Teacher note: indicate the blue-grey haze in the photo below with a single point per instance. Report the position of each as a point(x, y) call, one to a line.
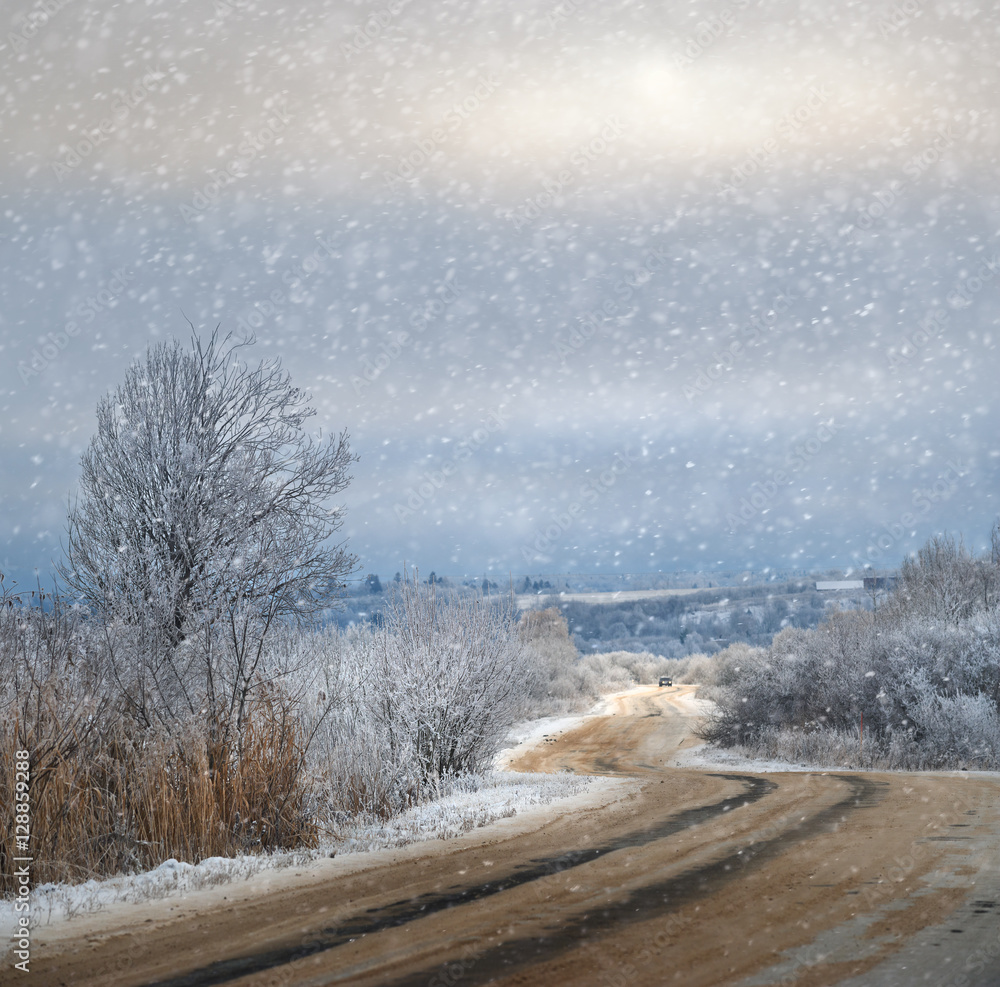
point(593, 286)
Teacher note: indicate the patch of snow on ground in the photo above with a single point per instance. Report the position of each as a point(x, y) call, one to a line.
point(694, 706)
point(59, 902)
point(467, 803)
point(708, 756)
point(485, 799)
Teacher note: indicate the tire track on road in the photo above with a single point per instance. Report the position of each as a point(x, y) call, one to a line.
point(401, 912)
point(649, 901)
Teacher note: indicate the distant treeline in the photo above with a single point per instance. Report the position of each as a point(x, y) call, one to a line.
point(704, 621)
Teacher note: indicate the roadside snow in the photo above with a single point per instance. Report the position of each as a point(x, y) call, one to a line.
point(524, 736)
point(51, 903)
point(474, 801)
point(467, 803)
point(707, 756)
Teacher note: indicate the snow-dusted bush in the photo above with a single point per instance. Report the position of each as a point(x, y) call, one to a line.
point(720, 669)
point(954, 729)
point(429, 692)
point(557, 682)
point(563, 681)
point(923, 673)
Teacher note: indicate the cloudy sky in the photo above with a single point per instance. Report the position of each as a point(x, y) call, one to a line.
point(592, 285)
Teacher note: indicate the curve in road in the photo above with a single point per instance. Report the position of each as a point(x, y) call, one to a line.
point(700, 878)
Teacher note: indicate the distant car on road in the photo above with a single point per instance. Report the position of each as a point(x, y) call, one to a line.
point(665, 680)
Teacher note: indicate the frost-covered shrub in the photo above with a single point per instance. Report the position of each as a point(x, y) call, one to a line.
point(959, 729)
point(564, 681)
point(721, 669)
point(429, 692)
point(923, 674)
point(556, 681)
point(944, 581)
point(613, 670)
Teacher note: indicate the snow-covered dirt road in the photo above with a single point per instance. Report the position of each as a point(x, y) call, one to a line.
point(702, 876)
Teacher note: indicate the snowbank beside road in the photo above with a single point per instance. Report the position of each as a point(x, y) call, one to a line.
point(468, 803)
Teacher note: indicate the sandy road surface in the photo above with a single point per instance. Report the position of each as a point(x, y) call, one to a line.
point(703, 878)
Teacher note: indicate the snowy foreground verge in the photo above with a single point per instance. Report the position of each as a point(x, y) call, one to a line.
point(708, 756)
point(467, 804)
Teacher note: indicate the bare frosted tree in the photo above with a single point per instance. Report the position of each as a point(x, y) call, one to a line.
point(205, 504)
point(943, 580)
